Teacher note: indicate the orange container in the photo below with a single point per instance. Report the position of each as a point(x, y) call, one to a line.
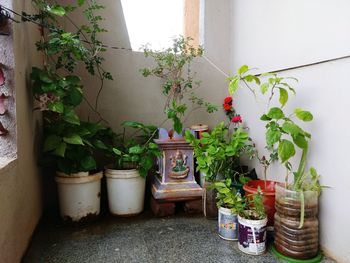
point(268, 196)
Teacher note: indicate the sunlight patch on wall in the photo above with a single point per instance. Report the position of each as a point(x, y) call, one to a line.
point(154, 22)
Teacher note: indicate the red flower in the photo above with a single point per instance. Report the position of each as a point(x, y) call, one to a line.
point(228, 100)
point(236, 119)
point(227, 106)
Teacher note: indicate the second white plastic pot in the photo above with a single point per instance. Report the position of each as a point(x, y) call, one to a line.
point(126, 192)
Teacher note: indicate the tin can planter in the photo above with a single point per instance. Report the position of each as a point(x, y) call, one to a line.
point(291, 240)
point(79, 196)
point(126, 192)
point(252, 235)
point(228, 227)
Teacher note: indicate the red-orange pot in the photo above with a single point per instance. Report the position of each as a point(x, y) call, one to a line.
point(268, 196)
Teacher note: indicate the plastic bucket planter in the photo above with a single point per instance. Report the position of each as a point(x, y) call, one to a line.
point(79, 196)
point(252, 236)
point(268, 196)
point(228, 227)
point(290, 240)
point(126, 192)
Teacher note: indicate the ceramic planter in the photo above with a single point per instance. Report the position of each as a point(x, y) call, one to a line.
point(290, 240)
point(126, 192)
point(252, 235)
point(268, 193)
point(227, 224)
point(79, 196)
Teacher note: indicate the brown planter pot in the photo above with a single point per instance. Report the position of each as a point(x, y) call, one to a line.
point(210, 209)
point(290, 240)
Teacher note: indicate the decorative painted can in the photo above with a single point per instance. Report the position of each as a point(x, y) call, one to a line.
point(252, 236)
point(228, 225)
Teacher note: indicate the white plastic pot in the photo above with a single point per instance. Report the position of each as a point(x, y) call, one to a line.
point(252, 235)
point(126, 192)
point(79, 195)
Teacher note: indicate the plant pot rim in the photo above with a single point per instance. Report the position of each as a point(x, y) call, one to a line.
point(244, 220)
point(228, 210)
point(282, 186)
point(122, 174)
point(66, 179)
point(251, 187)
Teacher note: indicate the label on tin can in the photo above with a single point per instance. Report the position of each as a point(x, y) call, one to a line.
point(228, 226)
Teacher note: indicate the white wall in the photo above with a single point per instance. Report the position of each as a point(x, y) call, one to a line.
point(131, 96)
point(276, 34)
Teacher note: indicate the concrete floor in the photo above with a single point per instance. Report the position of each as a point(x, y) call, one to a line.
point(181, 239)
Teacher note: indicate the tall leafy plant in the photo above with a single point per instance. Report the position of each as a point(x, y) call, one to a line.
point(284, 134)
point(69, 143)
point(170, 66)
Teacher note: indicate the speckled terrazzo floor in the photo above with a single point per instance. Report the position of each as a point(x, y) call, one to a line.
point(141, 239)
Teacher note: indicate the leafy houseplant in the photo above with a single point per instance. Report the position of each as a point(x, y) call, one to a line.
point(230, 203)
point(217, 151)
point(134, 157)
point(170, 66)
point(283, 137)
point(70, 143)
point(217, 154)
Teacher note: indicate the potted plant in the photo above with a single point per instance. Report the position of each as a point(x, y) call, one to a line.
point(172, 65)
point(217, 154)
point(296, 225)
point(69, 143)
point(126, 177)
point(252, 226)
point(230, 203)
point(268, 84)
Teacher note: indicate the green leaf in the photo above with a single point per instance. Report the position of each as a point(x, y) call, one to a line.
point(233, 86)
point(88, 163)
point(75, 96)
point(100, 145)
point(153, 146)
point(300, 141)
point(116, 151)
point(177, 125)
point(223, 190)
point(275, 113)
point(273, 135)
point(61, 149)
point(283, 96)
point(81, 2)
point(70, 116)
point(291, 128)
point(72, 79)
point(286, 150)
point(264, 88)
point(56, 106)
point(137, 149)
point(48, 87)
point(303, 114)
point(51, 143)
point(133, 124)
point(264, 117)
point(73, 139)
point(146, 163)
point(243, 69)
point(57, 10)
